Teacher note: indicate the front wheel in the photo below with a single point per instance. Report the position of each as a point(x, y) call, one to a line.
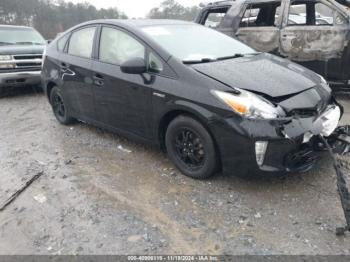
point(191, 148)
point(59, 107)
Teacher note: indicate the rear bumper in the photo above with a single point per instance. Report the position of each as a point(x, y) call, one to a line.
point(290, 144)
point(20, 78)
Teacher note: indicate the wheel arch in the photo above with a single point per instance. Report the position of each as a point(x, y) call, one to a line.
point(50, 85)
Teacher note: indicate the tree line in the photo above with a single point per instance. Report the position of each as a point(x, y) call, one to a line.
point(50, 17)
point(170, 9)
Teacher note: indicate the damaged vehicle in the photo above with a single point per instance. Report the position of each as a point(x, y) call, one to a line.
point(21, 51)
point(313, 33)
point(211, 102)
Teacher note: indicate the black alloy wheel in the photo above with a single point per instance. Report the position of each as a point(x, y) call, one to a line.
point(59, 108)
point(191, 148)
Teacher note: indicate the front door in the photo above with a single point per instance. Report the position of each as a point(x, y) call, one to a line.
point(259, 26)
point(123, 101)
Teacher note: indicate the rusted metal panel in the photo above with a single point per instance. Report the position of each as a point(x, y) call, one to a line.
point(323, 46)
point(265, 39)
point(305, 43)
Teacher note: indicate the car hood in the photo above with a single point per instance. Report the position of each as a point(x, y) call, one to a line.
point(21, 49)
point(264, 73)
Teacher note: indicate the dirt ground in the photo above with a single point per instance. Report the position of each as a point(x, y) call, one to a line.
point(102, 194)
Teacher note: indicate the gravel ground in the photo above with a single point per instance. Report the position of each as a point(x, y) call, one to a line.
point(103, 194)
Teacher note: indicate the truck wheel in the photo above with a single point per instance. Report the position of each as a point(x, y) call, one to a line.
point(59, 108)
point(191, 148)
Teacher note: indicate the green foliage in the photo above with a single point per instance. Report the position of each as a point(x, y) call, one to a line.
point(170, 9)
point(50, 17)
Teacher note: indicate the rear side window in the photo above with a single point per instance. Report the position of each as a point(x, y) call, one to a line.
point(61, 43)
point(117, 46)
point(81, 42)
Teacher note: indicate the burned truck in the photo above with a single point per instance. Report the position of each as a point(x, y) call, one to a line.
point(313, 33)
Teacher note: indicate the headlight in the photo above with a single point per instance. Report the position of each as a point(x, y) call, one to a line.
point(7, 66)
point(249, 105)
point(5, 57)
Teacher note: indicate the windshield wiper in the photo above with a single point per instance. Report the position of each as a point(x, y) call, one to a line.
point(208, 60)
point(198, 61)
point(236, 56)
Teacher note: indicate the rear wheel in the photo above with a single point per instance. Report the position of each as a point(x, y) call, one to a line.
point(59, 107)
point(191, 148)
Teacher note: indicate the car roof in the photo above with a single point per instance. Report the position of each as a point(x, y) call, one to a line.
point(134, 26)
point(232, 2)
point(15, 26)
point(220, 3)
point(141, 22)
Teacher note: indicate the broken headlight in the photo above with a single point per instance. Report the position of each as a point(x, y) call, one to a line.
point(249, 105)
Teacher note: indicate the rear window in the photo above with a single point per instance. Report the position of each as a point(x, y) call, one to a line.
point(20, 36)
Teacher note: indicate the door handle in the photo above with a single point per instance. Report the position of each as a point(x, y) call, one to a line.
point(64, 67)
point(98, 80)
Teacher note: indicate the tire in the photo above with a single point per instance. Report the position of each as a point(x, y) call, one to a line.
point(38, 89)
point(59, 108)
point(191, 148)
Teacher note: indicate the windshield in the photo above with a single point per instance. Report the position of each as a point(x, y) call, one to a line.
point(20, 36)
point(191, 43)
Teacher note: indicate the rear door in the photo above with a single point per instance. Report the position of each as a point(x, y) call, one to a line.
point(123, 101)
point(75, 66)
point(314, 33)
point(260, 26)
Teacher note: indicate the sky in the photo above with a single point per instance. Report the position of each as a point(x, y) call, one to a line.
point(134, 8)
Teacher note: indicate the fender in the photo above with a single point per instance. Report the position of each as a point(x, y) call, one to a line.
point(177, 107)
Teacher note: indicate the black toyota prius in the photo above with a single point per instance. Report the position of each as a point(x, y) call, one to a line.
point(211, 102)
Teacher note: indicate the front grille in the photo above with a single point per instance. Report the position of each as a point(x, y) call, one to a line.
point(28, 61)
point(28, 64)
point(27, 57)
point(305, 112)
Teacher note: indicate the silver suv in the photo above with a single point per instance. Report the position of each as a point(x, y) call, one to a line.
point(21, 52)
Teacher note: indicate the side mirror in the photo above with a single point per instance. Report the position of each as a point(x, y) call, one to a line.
point(135, 66)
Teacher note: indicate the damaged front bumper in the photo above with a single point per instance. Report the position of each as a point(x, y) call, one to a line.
point(282, 145)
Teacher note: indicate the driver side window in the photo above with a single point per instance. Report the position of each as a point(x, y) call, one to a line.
point(116, 46)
